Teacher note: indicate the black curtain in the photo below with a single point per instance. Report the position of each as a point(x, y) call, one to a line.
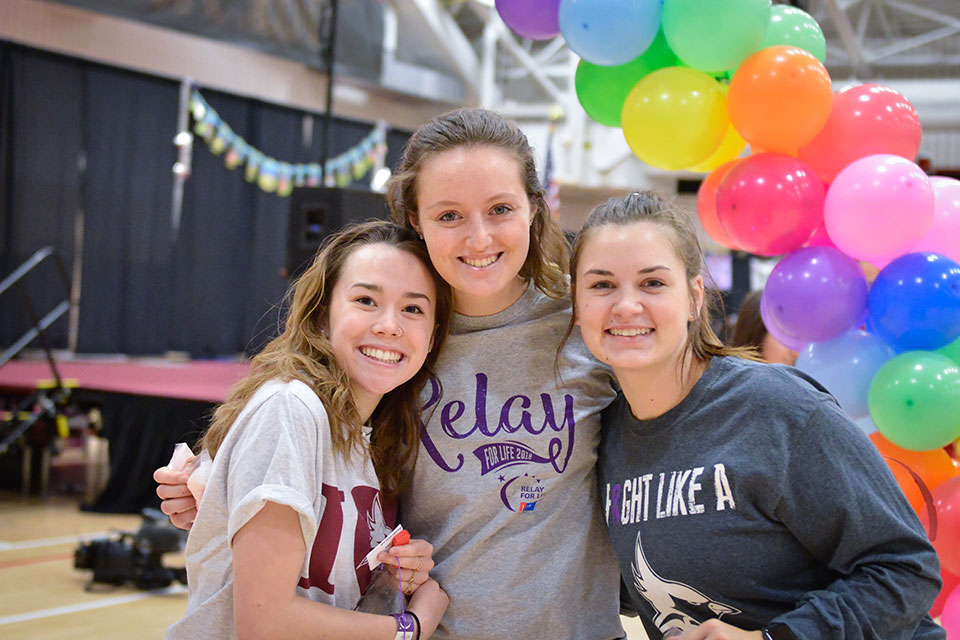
point(77, 136)
point(142, 431)
point(40, 187)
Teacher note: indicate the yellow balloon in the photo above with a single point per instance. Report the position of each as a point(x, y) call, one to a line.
point(731, 147)
point(675, 117)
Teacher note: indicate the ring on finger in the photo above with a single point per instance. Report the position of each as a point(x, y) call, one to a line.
point(408, 589)
point(419, 564)
point(413, 574)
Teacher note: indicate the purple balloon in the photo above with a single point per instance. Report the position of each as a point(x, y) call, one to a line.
point(788, 341)
point(814, 294)
point(534, 19)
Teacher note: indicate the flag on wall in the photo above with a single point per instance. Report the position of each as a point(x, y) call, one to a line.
point(550, 184)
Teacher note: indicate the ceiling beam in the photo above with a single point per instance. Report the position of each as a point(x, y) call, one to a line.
point(428, 17)
point(899, 46)
point(841, 21)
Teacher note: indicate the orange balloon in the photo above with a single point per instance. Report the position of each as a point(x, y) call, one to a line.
point(707, 204)
point(780, 98)
point(909, 487)
point(935, 467)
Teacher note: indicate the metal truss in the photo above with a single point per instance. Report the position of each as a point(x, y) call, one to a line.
point(891, 38)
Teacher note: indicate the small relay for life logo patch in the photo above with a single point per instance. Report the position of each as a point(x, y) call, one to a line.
point(521, 493)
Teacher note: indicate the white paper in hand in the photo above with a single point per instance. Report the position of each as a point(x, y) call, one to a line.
point(385, 544)
point(182, 459)
point(197, 481)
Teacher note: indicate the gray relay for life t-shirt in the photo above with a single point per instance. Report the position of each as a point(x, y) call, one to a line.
point(505, 486)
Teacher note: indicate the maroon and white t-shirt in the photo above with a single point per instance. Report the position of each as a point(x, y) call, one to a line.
point(279, 450)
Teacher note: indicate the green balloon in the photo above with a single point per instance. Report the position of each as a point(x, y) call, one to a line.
point(603, 90)
point(715, 35)
point(914, 400)
point(796, 28)
point(952, 351)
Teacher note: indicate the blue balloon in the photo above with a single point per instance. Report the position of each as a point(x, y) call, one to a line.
point(914, 303)
point(846, 366)
point(609, 32)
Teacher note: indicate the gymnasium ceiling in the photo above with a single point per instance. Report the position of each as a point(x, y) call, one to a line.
point(866, 39)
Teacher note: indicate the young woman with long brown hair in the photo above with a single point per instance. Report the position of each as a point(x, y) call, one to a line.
point(742, 502)
point(312, 447)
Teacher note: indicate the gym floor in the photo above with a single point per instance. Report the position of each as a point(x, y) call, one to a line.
point(42, 595)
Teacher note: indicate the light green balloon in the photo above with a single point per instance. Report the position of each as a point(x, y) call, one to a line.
point(914, 400)
point(796, 28)
point(952, 351)
point(715, 35)
point(602, 90)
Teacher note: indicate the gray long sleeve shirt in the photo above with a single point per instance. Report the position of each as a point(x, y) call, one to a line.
point(755, 500)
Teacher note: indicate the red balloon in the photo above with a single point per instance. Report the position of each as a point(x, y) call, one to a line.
point(950, 582)
point(866, 119)
point(946, 535)
point(770, 204)
point(707, 204)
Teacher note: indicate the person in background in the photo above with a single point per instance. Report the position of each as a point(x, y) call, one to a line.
point(742, 502)
point(311, 448)
point(750, 331)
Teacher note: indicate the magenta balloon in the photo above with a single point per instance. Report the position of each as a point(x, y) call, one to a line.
point(879, 207)
point(944, 234)
point(815, 294)
point(534, 19)
point(820, 237)
point(770, 203)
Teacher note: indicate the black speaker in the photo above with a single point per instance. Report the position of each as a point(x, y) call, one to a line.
point(316, 212)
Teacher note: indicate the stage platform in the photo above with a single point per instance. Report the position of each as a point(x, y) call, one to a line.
point(196, 380)
point(147, 407)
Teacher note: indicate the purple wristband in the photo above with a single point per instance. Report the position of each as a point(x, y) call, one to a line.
point(406, 627)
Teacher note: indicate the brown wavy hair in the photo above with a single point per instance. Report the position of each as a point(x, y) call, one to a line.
point(749, 330)
point(304, 352)
point(648, 206)
point(548, 256)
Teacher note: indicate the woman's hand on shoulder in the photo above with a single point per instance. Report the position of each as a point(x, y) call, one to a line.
point(429, 603)
point(178, 502)
point(413, 561)
point(714, 629)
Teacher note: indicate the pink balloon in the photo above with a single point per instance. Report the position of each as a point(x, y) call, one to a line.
point(879, 207)
point(770, 203)
point(950, 618)
point(944, 234)
point(865, 119)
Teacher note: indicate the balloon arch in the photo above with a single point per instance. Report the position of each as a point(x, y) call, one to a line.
point(830, 184)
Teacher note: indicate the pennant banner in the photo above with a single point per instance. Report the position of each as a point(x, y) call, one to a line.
point(276, 176)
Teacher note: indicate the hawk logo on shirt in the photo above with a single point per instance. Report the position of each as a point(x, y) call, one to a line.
point(377, 523)
point(665, 596)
